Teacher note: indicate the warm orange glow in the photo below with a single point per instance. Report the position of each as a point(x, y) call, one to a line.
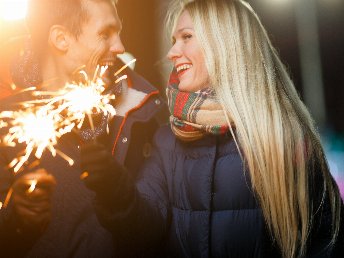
point(11, 10)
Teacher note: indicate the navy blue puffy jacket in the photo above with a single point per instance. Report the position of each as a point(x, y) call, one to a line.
point(192, 200)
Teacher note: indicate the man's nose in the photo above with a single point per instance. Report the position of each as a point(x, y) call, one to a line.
point(117, 46)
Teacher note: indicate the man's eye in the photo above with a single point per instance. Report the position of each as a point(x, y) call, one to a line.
point(104, 35)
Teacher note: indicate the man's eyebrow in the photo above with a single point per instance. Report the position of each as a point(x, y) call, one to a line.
point(112, 26)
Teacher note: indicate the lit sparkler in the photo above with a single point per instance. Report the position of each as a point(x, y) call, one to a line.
point(78, 100)
point(42, 121)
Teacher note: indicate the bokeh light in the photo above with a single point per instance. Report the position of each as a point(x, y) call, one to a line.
point(11, 10)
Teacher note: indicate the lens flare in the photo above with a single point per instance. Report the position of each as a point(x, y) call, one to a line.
point(11, 10)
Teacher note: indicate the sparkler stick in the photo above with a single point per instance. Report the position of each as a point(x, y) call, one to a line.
point(123, 77)
point(8, 197)
point(124, 66)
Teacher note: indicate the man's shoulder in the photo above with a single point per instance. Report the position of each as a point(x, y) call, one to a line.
point(164, 136)
point(5, 91)
point(138, 82)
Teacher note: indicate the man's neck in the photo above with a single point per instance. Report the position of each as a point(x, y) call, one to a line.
point(53, 76)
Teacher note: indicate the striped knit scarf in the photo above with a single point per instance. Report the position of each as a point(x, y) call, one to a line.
point(194, 114)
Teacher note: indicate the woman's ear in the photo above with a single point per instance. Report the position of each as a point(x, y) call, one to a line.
point(59, 38)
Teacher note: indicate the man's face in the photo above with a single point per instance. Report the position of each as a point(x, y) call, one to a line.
point(99, 41)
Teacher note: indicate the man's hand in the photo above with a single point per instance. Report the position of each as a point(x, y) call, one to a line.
point(31, 199)
point(104, 175)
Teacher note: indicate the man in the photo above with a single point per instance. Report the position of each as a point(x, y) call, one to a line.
point(57, 219)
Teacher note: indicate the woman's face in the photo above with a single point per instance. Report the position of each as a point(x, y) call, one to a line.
point(187, 56)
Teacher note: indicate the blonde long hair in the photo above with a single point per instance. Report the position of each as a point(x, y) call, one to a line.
point(274, 129)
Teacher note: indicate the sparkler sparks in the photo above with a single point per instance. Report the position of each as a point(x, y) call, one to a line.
point(38, 128)
point(79, 100)
point(32, 187)
point(42, 121)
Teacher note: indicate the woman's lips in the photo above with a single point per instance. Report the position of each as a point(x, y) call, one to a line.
point(183, 68)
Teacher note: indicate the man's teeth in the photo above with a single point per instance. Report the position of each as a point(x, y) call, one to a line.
point(109, 63)
point(183, 67)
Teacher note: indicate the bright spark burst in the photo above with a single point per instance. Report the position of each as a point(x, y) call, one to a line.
point(85, 99)
point(38, 128)
point(78, 100)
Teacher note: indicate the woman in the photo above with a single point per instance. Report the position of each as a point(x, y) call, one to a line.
point(240, 172)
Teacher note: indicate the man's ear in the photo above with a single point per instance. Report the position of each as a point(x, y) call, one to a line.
point(59, 38)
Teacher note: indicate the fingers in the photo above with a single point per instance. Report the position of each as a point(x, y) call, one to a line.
point(33, 212)
point(94, 157)
point(33, 221)
point(27, 206)
point(39, 180)
point(93, 180)
point(91, 147)
point(93, 152)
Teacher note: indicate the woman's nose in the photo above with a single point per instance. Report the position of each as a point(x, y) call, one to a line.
point(174, 53)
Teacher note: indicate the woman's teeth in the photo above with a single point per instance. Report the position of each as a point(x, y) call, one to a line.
point(183, 67)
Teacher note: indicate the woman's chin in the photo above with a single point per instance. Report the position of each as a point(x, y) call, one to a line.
point(186, 87)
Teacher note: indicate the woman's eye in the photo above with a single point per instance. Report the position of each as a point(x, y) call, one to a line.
point(187, 36)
